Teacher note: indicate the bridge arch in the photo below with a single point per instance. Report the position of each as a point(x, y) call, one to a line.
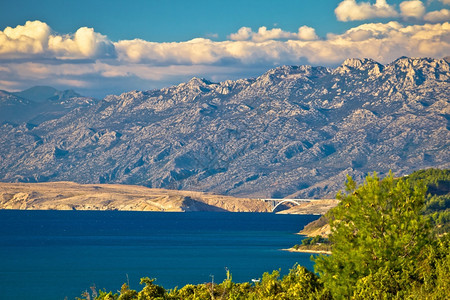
point(284, 201)
point(277, 202)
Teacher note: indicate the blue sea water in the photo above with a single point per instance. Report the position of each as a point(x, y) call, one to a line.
point(57, 254)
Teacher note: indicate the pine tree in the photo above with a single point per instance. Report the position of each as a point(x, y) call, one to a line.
point(377, 233)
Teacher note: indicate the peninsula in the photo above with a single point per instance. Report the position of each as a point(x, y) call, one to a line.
point(74, 196)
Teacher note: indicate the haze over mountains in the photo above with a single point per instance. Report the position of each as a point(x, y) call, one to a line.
point(294, 131)
point(39, 104)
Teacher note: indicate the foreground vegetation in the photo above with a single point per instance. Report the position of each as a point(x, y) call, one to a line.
point(298, 284)
point(384, 247)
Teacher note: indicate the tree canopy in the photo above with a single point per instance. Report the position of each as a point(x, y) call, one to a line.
point(379, 236)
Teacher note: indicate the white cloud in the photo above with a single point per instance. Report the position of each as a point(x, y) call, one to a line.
point(36, 38)
point(263, 34)
point(243, 34)
point(350, 10)
point(381, 41)
point(195, 51)
point(272, 34)
point(412, 9)
point(437, 16)
point(139, 63)
point(84, 44)
point(447, 2)
point(30, 38)
point(385, 42)
point(307, 33)
point(266, 46)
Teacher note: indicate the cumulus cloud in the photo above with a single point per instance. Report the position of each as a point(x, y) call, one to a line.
point(272, 34)
point(350, 10)
point(85, 43)
point(385, 42)
point(437, 16)
point(381, 41)
point(267, 46)
point(37, 39)
point(139, 63)
point(30, 38)
point(263, 34)
point(307, 33)
point(195, 51)
point(447, 2)
point(243, 34)
point(412, 9)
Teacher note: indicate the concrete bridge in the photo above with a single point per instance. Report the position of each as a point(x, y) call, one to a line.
point(274, 203)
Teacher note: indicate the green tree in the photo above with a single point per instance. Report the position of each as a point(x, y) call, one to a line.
point(103, 295)
point(301, 284)
point(434, 271)
point(307, 241)
point(191, 292)
point(269, 287)
point(151, 291)
point(437, 202)
point(378, 234)
point(126, 293)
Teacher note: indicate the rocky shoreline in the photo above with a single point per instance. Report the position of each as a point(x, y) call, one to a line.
point(308, 251)
point(74, 196)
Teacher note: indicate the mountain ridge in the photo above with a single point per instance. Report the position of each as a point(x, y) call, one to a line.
point(41, 93)
point(293, 131)
point(39, 104)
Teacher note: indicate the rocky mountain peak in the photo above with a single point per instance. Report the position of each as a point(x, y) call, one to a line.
point(284, 72)
point(195, 81)
point(407, 63)
point(415, 71)
point(356, 63)
point(38, 93)
point(194, 85)
point(360, 65)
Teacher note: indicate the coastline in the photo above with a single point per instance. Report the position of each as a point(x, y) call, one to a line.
point(308, 251)
point(63, 195)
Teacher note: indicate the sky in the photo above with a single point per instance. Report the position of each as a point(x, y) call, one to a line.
point(101, 47)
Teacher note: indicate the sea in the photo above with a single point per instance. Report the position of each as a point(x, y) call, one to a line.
point(60, 254)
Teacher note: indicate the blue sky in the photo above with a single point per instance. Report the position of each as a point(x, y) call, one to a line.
point(170, 20)
point(103, 47)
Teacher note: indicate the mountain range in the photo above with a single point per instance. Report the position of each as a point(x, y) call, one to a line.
point(295, 131)
point(39, 104)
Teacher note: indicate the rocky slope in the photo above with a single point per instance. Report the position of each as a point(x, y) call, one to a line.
point(294, 131)
point(317, 227)
point(73, 196)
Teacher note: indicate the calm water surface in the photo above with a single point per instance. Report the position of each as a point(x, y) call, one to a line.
point(58, 254)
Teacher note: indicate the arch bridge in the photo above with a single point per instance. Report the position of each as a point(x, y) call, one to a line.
point(274, 203)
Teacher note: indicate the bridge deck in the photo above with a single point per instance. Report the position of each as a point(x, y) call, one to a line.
point(277, 202)
point(287, 199)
